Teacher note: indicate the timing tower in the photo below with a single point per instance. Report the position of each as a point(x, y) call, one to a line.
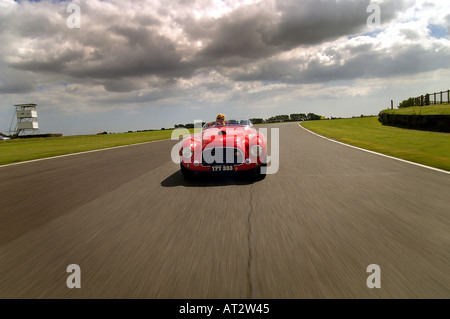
point(27, 123)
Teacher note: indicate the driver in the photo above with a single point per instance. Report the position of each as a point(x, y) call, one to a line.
point(220, 119)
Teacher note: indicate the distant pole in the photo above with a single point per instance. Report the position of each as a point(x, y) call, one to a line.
point(441, 97)
point(448, 96)
point(392, 104)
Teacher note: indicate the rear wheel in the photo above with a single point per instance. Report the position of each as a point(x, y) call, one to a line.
point(187, 174)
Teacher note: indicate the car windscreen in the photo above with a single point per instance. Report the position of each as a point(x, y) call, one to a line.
point(233, 121)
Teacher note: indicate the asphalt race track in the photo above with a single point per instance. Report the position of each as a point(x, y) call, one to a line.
point(138, 230)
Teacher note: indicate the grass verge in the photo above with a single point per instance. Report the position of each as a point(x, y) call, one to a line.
point(19, 150)
point(440, 109)
point(428, 148)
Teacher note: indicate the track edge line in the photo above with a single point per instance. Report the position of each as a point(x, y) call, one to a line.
point(80, 153)
point(376, 153)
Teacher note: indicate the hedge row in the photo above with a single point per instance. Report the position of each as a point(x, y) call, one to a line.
point(439, 123)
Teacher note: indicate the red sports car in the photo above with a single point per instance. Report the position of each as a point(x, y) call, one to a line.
point(232, 146)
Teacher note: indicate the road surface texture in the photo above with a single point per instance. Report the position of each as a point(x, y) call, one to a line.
point(138, 230)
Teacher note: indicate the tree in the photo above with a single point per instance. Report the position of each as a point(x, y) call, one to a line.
point(257, 121)
point(313, 117)
point(297, 117)
point(406, 103)
point(278, 118)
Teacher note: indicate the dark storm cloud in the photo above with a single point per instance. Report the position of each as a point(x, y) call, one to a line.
point(123, 85)
point(13, 82)
point(311, 22)
point(132, 51)
point(15, 88)
point(363, 61)
point(257, 31)
point(119, 46)
point(242, 33)
point(50, 62)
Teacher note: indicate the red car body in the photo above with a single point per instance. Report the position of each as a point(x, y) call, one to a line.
point(232, 147)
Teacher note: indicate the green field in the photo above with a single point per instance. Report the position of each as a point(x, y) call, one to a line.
point(18, 150)
point(428, 148)
point(441, 109)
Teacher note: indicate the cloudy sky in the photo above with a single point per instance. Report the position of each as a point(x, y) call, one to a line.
point(135, 65)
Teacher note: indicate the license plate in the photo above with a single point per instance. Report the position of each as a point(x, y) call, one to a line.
point(222, 168)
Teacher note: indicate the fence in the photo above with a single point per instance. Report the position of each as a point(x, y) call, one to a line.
point(432, 98)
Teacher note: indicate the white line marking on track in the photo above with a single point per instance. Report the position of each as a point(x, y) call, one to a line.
point(376, 153)
point(80, 153)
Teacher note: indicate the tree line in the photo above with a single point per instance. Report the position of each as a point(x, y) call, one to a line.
point(273, 119)
point(296, 117)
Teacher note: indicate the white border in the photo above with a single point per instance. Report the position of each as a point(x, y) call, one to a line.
point(376, 153)
point(80, 153)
